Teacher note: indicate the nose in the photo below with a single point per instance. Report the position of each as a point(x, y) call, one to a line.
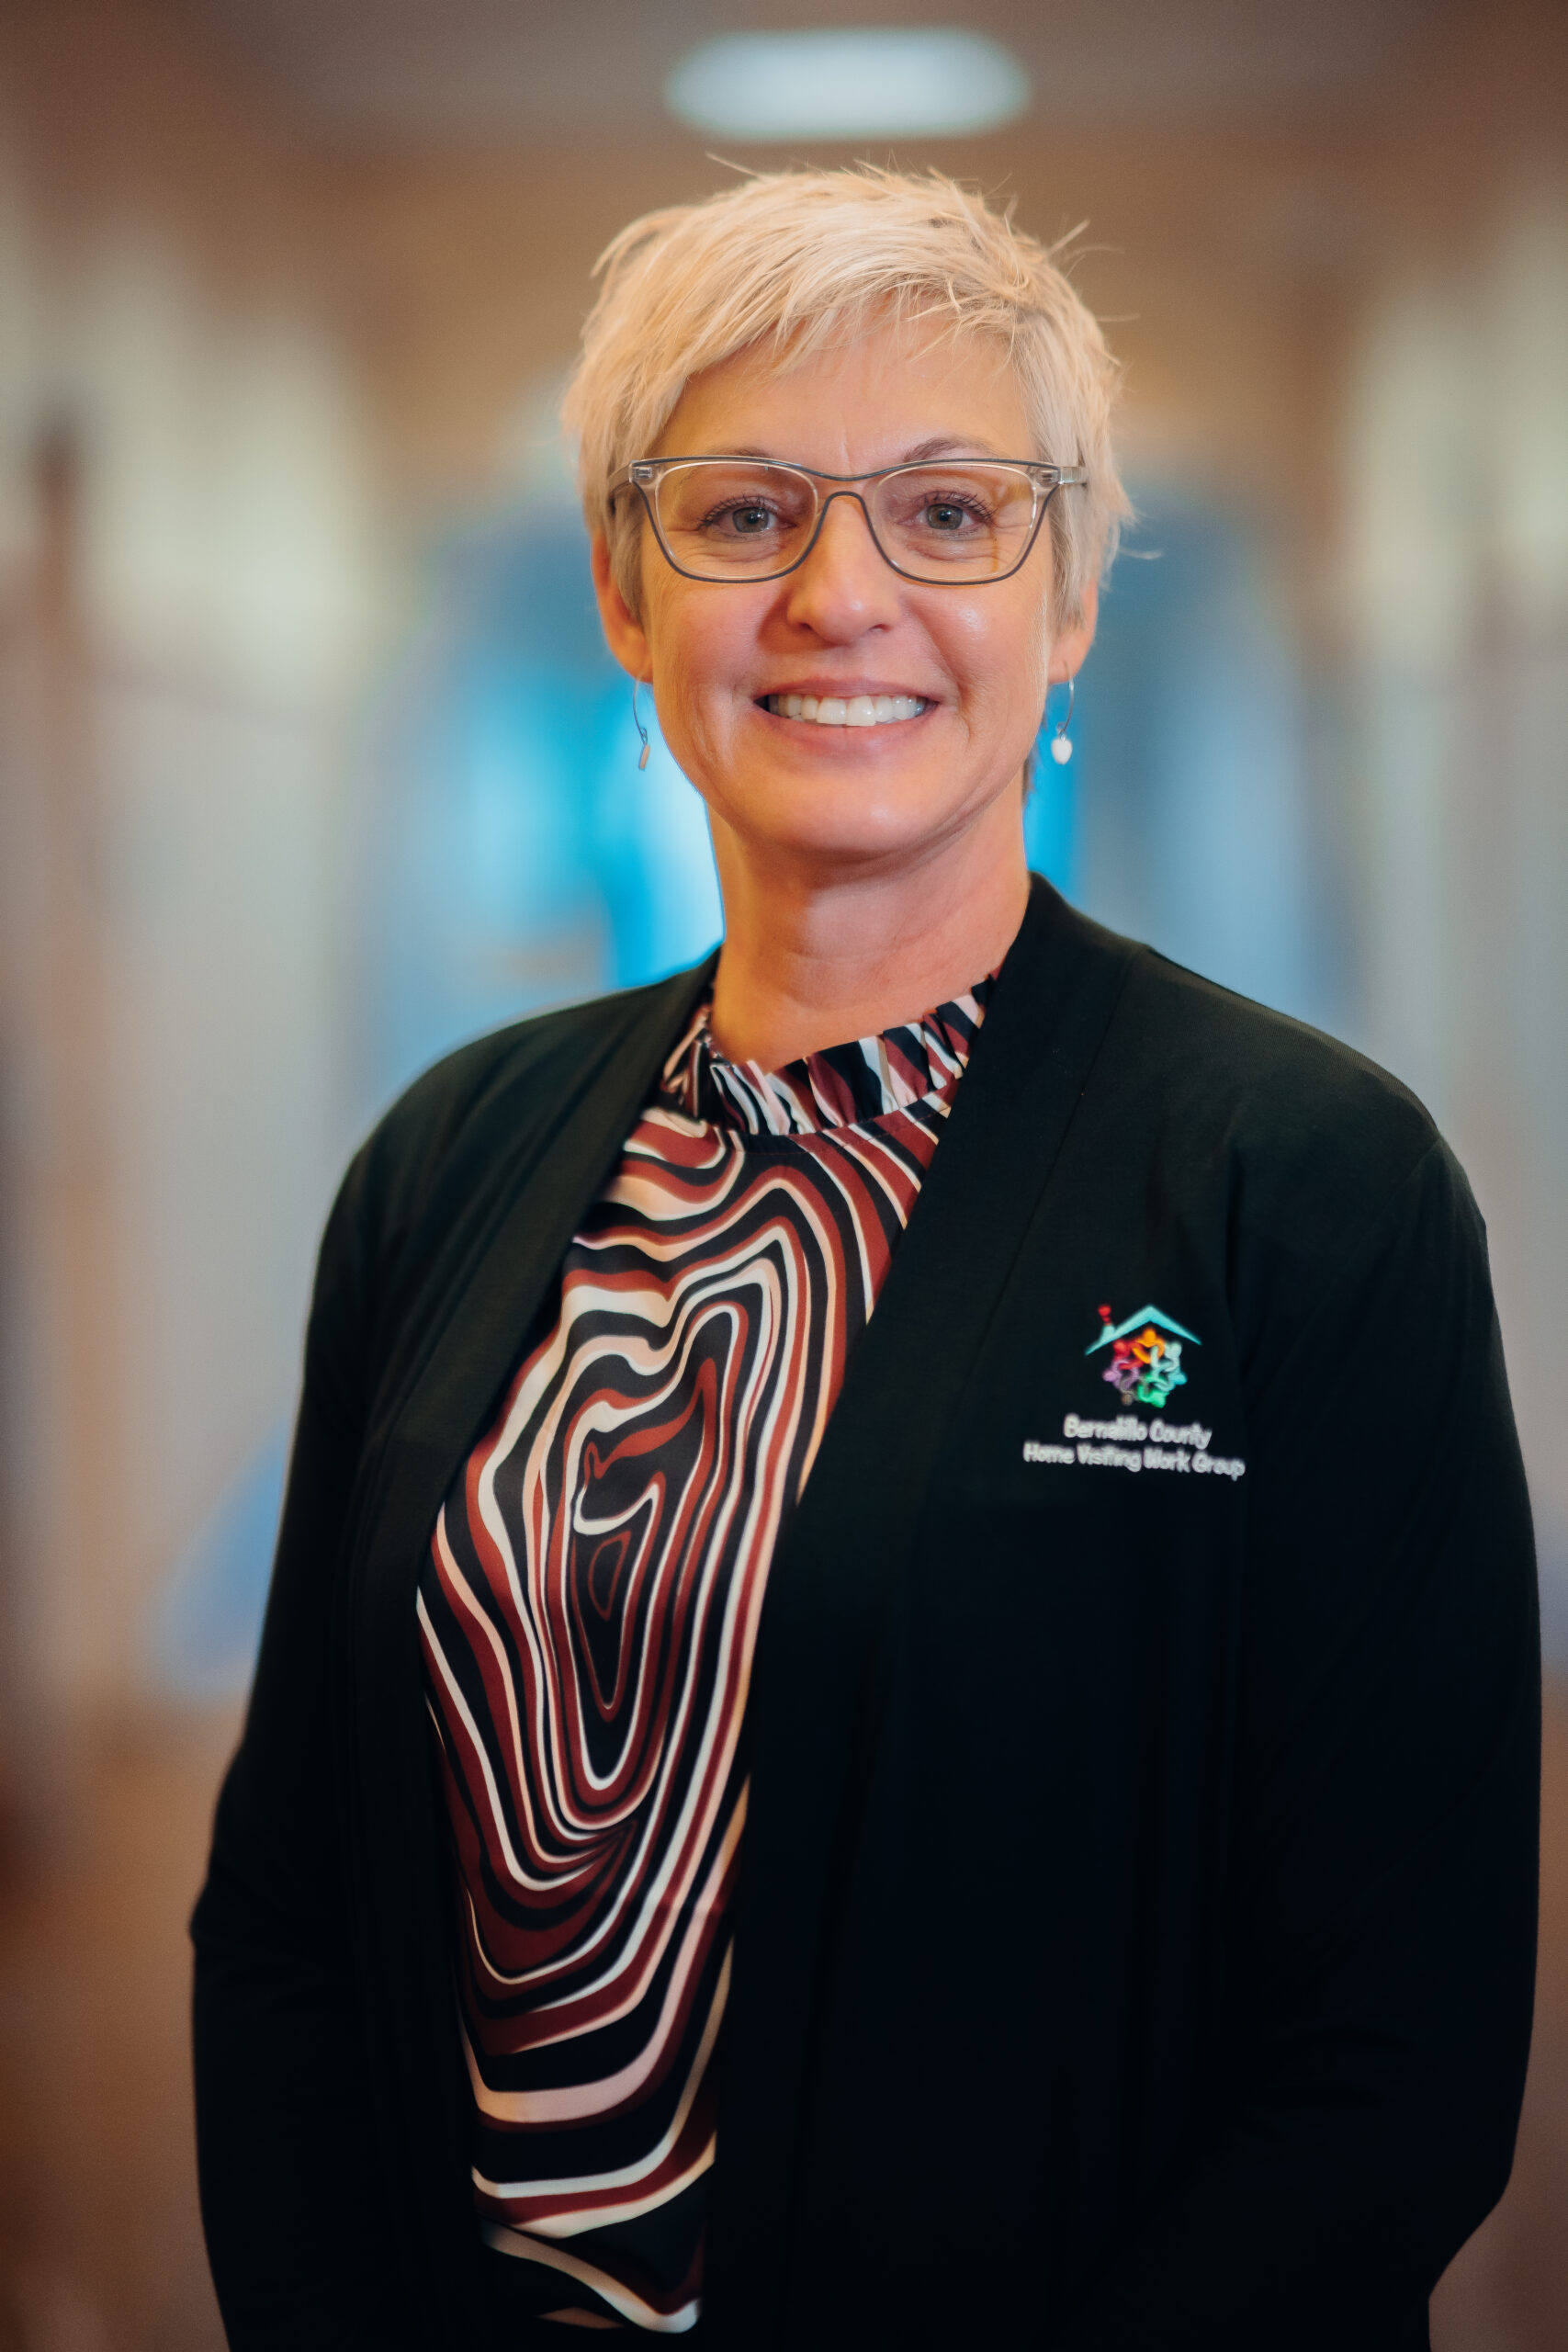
point(844, 587)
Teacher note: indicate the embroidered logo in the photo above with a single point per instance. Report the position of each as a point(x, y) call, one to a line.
point(1145, 1355)
point(1144, 1367)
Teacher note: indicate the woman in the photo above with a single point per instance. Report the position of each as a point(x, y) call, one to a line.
point(1005, 1821)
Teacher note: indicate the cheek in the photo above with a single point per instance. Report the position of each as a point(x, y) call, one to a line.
point(700, 648)
point(1000, 656)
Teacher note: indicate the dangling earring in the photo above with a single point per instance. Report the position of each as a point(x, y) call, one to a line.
point(636, 722)
point(1061, 741)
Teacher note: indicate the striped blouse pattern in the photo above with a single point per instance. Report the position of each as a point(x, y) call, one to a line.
point(588, 1615)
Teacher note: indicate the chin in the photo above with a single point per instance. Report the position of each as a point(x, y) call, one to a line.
point(854, 836)
point(859, 808)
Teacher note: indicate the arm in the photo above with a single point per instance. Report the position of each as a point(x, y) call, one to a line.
point(283, 2108)
point(1386, 1791)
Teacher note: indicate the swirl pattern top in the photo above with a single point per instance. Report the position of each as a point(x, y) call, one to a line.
point(588, 1615)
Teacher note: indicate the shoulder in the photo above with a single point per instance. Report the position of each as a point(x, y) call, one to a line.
point(1212, 1081)
point(449, 1138)
point(533, 1060)
point(1263, 1084)
point(1277, 1150)
point(1303, 1151)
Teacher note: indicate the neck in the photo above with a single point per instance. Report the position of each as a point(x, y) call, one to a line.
point(812, 958)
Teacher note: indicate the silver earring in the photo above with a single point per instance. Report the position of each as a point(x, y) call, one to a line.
point(636, 722)
point(1061, 741)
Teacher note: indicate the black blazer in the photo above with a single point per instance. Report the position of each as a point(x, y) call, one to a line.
point(1134, 1940)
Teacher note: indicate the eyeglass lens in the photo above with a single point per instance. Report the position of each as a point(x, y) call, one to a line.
point(739, 519)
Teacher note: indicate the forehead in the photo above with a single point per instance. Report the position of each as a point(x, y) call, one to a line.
point(864, 401)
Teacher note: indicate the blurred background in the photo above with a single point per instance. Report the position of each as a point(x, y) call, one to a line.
point(311, 763)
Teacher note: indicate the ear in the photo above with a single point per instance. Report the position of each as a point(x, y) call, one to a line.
point(623, 632)
point(1067, 651)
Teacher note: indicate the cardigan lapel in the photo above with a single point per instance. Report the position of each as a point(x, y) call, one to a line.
point(560, 1162)
point(812, 1712)
point(809, 1719)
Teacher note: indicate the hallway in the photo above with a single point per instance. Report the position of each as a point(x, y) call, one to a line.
point(312, 763)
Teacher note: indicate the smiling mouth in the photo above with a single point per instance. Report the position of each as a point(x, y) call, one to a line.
point(847, 710)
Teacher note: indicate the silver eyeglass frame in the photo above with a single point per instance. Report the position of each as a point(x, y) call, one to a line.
point(644, 474)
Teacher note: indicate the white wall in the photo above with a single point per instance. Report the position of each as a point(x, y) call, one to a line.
point(173, 720)
point(1455, 593)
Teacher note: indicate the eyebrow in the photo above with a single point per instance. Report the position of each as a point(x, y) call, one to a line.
point(940, 444)
point(946, 446)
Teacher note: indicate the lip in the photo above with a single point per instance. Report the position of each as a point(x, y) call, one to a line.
point(851, 741)
point(842, 688)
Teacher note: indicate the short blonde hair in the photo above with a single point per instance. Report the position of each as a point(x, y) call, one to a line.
point(805, 259)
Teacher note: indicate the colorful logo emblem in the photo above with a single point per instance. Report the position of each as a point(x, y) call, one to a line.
point(1145, 1355)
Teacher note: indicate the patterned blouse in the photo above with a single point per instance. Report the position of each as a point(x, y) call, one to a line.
point(588, 1617)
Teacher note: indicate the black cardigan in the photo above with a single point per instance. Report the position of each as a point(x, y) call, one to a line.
point(1134, 1939)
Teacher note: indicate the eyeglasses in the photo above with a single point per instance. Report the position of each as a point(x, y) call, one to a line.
point(952, 523)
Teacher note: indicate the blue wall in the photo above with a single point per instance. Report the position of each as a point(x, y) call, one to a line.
point(516, 857)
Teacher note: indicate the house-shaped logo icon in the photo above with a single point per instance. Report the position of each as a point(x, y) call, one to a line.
point(1145, 1354)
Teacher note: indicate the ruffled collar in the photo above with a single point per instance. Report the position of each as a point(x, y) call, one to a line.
point(842, 1086)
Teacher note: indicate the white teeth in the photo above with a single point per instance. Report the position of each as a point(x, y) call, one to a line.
point(853, 710)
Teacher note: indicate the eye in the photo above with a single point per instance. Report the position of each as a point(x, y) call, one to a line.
point(743, 519)
point(945, 509)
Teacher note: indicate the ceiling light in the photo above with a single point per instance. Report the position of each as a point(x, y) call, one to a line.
point(878, 83)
